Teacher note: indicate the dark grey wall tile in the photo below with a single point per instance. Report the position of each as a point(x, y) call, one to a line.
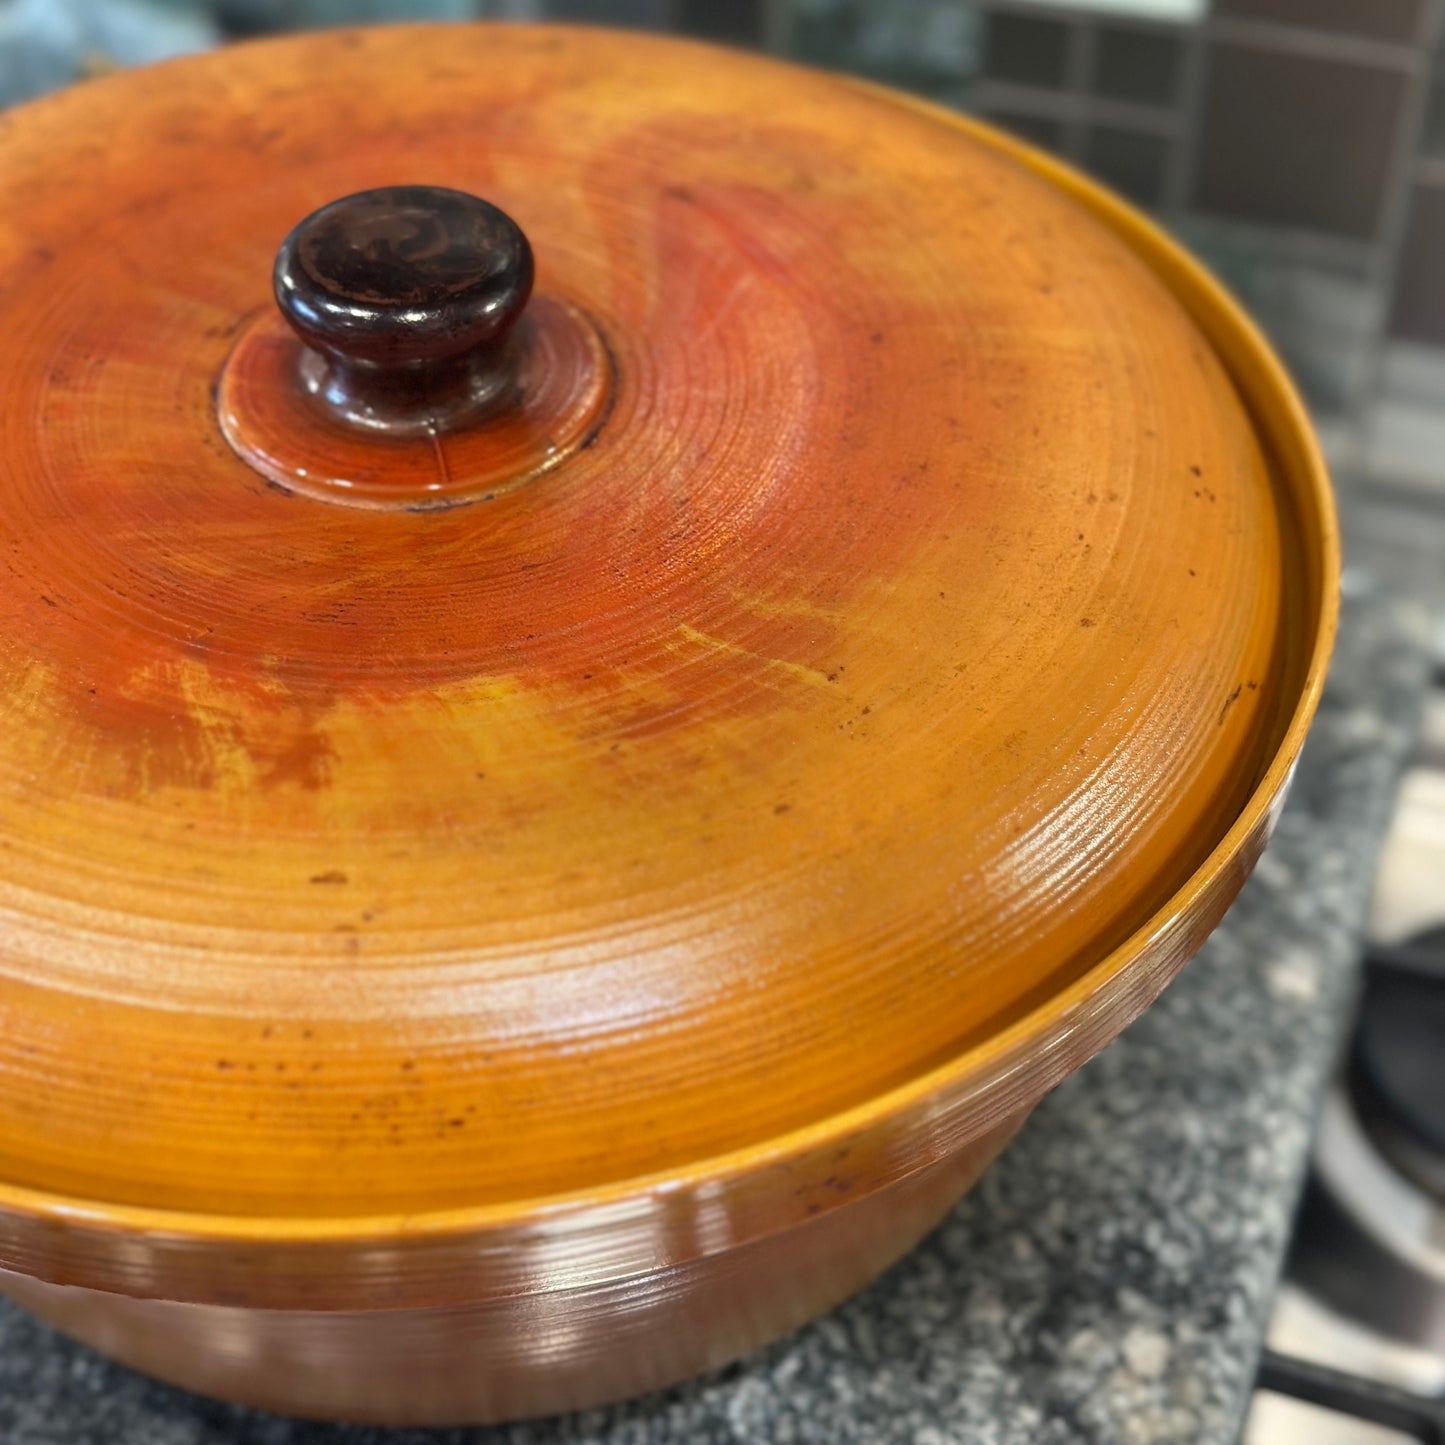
point(1132, 162)
point(646, 14)
point(1378, 19)
point(737, 22)
point(1296, 141)
point(1025, 49)
point(1432, 139)
point(1039, 129)
point(1136, 65)
point(1419, 309)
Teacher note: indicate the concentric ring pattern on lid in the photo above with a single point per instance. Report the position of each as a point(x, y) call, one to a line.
point(912, 627)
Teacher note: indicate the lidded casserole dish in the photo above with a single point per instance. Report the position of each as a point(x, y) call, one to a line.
point(561, 798)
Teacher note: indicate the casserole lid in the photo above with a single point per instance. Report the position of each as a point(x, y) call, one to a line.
point(893, 604)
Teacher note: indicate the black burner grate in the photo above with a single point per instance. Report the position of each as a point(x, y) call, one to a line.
point(1354, 1395)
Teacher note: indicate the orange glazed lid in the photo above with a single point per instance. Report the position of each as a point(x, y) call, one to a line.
point(877, 583)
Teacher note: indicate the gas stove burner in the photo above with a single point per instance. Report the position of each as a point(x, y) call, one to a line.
point(1370, 1242)
point(1397, 1065)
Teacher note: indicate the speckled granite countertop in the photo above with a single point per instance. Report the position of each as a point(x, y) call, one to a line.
point(1110, 1279)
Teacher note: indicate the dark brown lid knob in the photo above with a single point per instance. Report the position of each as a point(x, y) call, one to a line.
point(408, 293)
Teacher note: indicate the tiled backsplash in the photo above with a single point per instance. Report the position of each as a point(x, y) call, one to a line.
point(1299, 145)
